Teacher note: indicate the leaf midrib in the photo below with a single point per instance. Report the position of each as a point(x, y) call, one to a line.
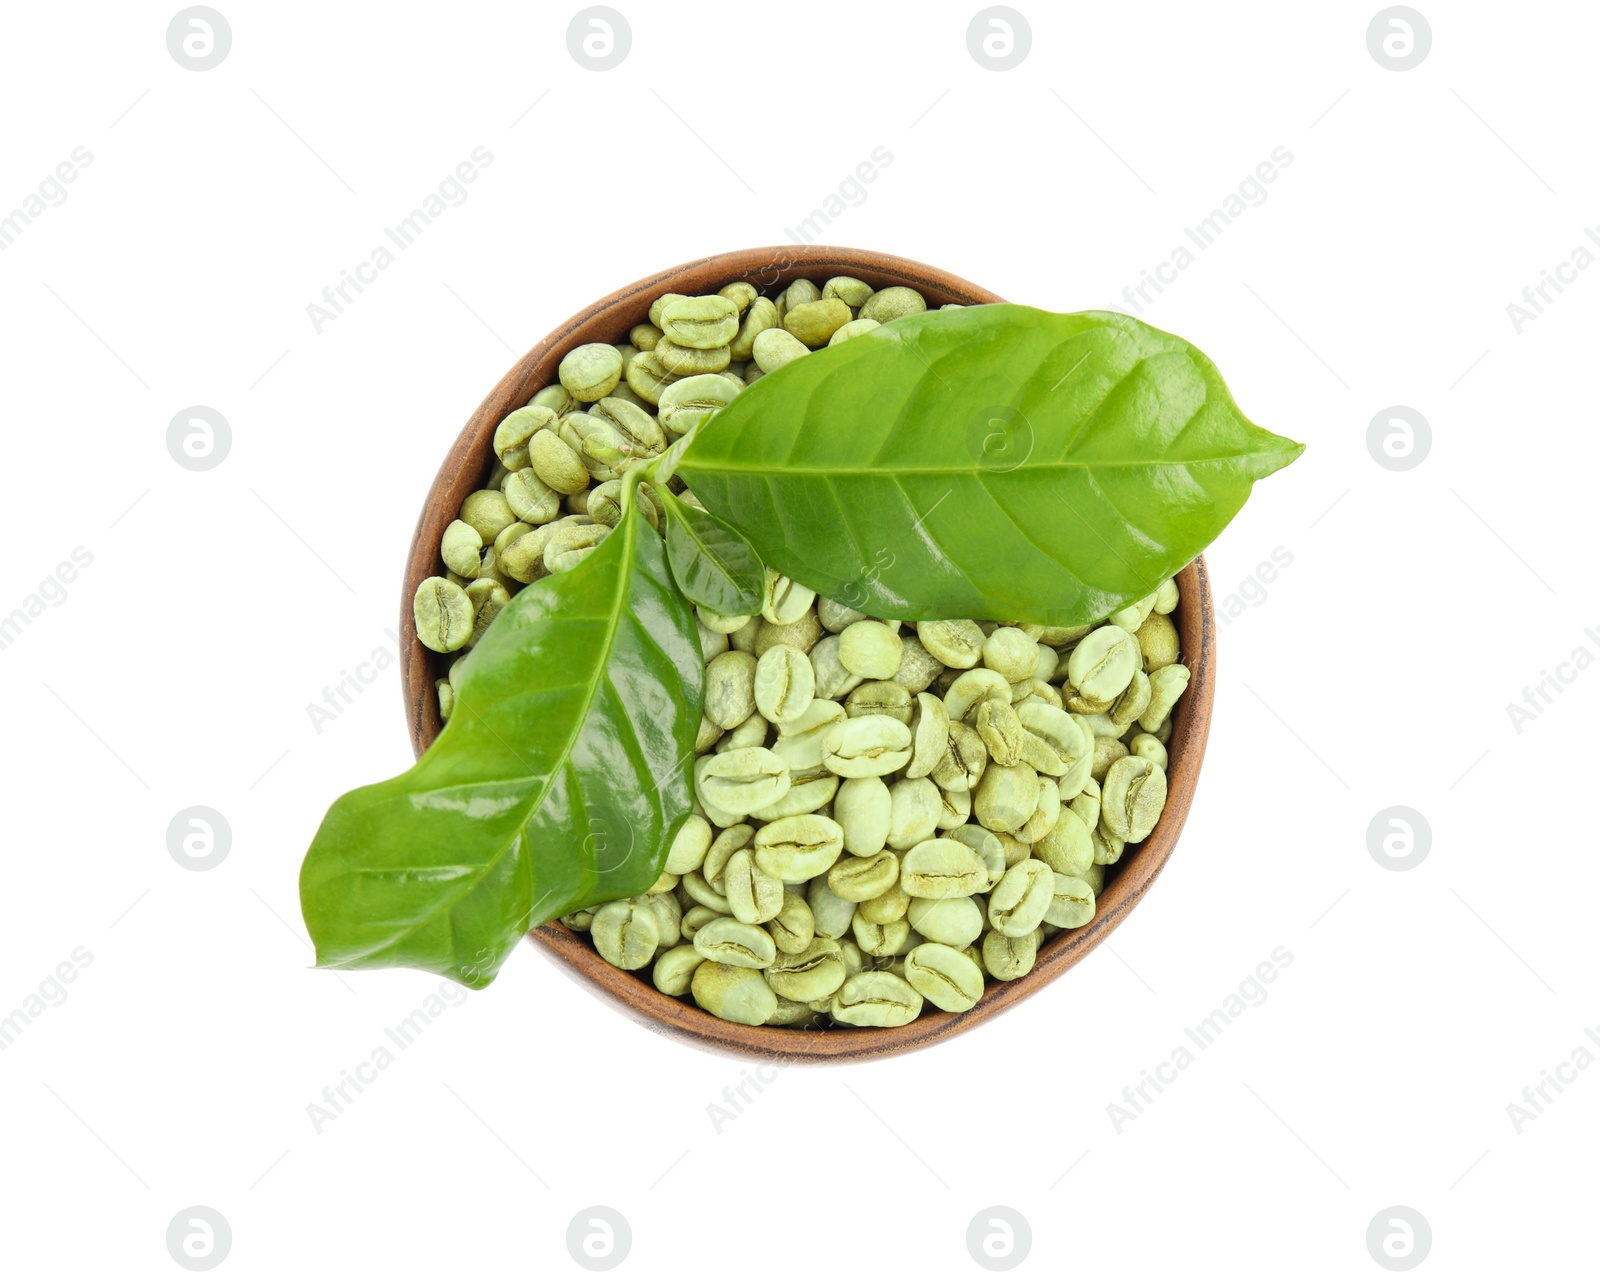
point(707, 467)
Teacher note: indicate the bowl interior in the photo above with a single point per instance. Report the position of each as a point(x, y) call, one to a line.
point(469, 463)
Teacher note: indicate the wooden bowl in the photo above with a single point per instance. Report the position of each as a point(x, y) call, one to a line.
point(467, 466)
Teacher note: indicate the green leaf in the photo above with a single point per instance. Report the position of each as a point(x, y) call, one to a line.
point(994, 462)
point(714, 564)
point(556, 783)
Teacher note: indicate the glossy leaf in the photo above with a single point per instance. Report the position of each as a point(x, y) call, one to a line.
point(713, 563)
point(555, 784)
point(994, 462)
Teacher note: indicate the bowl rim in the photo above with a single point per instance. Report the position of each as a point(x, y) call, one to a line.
point(468, 463)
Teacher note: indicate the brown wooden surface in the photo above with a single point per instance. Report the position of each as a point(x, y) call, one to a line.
point(468, 464)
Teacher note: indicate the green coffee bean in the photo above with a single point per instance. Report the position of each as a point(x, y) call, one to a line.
point(964, 761)
point(736, 944)
point(644, 337)
point(860, 878)
point(1107, 750)
point(1019, 901)
point(488, 512)
point(687, 361)
point(815, 971)
point(944, 976)
point(511, 436)
point(733, 993)
point(507, 535)
point(488, 598)
point(721, 625)
point(862, 808)
point(523, 558)
point(1134, 792)
point(970, 688)
point(696, 917)
point(1011, 652)
point(1045, 814)
point(1158, 641)
point(1166, 686)
point(731, 840)
point(942, 867)
point(804, 797)
point(879, 697)
point(530, 498)
point(1132, 617)
point(835, 616)
point(626, 933)
point(1108, 847)
point(815, 322)
point(801, 634)
point(689, 846)
point(447, 698)
point(918, 667)
point(1066, 847)
point(759, 318)
point(754, 895)
point(1006, 958)
point(1072, 904)
point(443, 614)
point(744, 638)
point(741, 293)
point(698, 890)
point(1102, 664)
point(930, 735)
point(872, 746)
point(875, 998)
point(832, 679)
point(957, 644)
point(855, 328)
point(849, 290)
point(989, 849)
point(660, 305)
point(1146, 746)
point(784, 683)
point(891, 303)
point(775, 347)
point(730, 689)
point(830, 912)
point(702, 323)
point(641, 434)
point(674, 970)
point(799, 293)
point(889, 906)
point(869, 649)
point(955, 808)
point(569, 545)
point(1006, 797)
point(685, 403)
point(881, 940)
point(1015, 850)
point(557, 463)
point(461, 548)
point(798, 848)
point(793, 927)
point(1166, 597)
point(785, 602)
point(950, 920)
point(591, 371)
point(648, 377)
point(1002, 731)
point(914, 812)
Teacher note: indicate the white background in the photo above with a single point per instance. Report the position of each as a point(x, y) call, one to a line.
point(1376, 671)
